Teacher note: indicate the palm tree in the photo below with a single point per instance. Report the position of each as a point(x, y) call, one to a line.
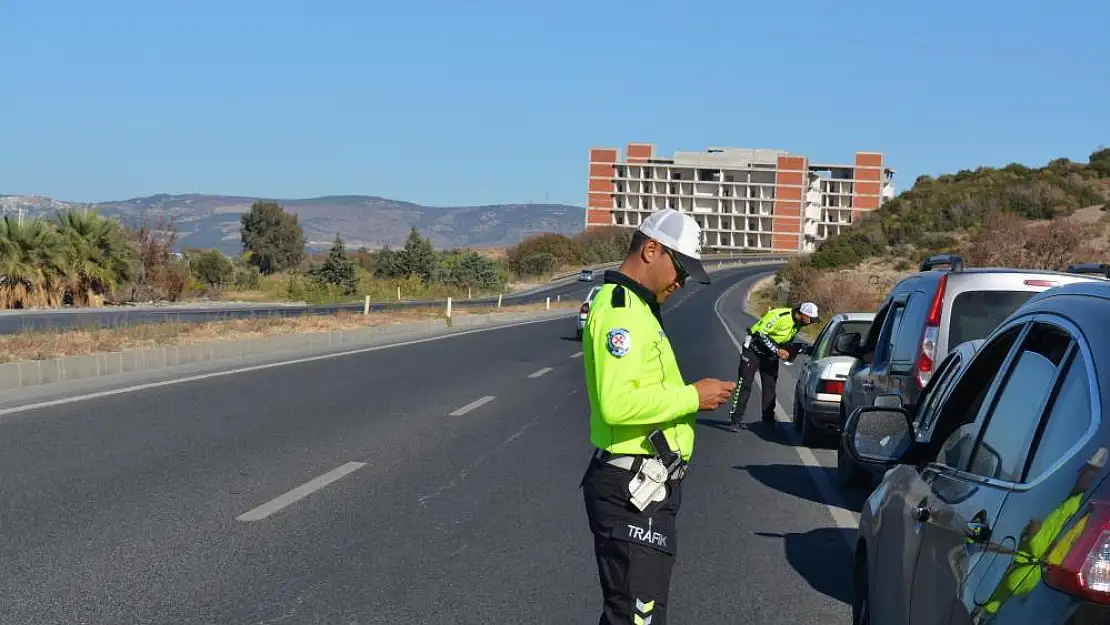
point(100, 258)
point(33, 264)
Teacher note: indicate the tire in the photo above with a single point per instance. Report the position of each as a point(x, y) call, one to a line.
point(861, 598)
point(799, 415)
point(578, 334)
point(811, 437)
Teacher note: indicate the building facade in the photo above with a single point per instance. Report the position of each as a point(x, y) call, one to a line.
point(743, 198)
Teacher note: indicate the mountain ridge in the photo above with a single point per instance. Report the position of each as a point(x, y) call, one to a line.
point(207, 220)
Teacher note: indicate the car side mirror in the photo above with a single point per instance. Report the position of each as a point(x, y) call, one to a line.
point(879, 435)
point(889, 400)
point(847, 344)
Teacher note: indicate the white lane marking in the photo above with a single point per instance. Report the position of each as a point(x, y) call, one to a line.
point(271, 365)
point(472, 405)
point(576, 354)
point(844, 519)
point(540, 372)
point(298, 493)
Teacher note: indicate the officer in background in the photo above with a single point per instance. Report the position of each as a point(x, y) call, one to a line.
point(637, 396)
point(769, 340)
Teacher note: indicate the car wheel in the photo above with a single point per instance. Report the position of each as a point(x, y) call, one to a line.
point(799, 416)
point(861, 600)
point(578, 334)
point(810, 436)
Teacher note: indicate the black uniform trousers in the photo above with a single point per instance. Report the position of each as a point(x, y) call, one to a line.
point(635, 550)
point(768, 368)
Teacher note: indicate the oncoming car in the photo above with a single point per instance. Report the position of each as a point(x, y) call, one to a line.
point(821, 379)
point(584, 311)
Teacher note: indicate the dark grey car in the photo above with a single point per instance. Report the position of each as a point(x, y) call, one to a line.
point(1002, 515)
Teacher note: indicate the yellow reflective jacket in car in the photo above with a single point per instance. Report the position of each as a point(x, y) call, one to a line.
point(632, 377)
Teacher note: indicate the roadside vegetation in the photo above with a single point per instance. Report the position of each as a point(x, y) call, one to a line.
point(1015, 216)
point(82, 259)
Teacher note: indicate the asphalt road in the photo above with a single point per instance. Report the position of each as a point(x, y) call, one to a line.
point(443, 479)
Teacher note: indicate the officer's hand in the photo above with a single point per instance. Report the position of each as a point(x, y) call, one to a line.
point(785, 355)
point(713, 392)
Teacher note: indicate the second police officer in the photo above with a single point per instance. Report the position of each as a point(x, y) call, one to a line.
point(769, 340)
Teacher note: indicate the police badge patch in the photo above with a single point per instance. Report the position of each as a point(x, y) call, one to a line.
point(619, 341)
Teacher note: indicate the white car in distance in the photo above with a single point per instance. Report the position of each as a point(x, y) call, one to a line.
point(584, 311)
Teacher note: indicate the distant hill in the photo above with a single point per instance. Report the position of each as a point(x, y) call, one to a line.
point(205, 221)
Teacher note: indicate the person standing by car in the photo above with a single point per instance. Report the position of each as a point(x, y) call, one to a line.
point(769, 340)
point(642, 416)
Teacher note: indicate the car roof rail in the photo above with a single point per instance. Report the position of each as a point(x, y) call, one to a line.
point(954, 261)
point(1102, 269)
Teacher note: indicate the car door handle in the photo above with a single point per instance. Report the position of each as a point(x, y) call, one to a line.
point(921, 511)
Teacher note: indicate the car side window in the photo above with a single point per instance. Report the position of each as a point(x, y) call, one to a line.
point(1012, 425)
point(1068, 419)
point(822, 343)
point(868, 342)
point(959, 415)
point(926, 412)
point(905, 344)
point(889, 333)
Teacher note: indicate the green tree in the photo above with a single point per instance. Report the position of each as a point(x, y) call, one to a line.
point(273, 237)
point(388, 264)
point(418, 258)
point(212, 268)
point(99, 256)
point(337, 270)
point(34, 265)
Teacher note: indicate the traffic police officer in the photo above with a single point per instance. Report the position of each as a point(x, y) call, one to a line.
point(636, 392)
point(769, 340)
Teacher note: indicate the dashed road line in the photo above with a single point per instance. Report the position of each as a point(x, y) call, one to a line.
point(576, 354)
point(537, 374)
point(472, 405)
point(833, 501)
point(298, 493)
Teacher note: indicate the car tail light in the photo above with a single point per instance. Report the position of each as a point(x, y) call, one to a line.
point(926, 361)
point(1078, 563)
point(585, 309)
point(831, 387)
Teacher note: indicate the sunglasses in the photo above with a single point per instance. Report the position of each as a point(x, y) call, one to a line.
point(681, 273)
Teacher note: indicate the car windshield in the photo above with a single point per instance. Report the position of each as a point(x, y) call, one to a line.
point(975, 314)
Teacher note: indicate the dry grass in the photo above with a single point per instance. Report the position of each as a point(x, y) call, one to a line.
point(46, 345)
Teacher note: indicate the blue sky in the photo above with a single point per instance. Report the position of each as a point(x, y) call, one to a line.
point(487, 101)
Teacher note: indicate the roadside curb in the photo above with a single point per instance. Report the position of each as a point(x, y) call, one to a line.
point(27, 373)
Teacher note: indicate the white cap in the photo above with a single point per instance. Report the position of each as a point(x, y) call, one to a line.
point(682, 235)
point(808, 309)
